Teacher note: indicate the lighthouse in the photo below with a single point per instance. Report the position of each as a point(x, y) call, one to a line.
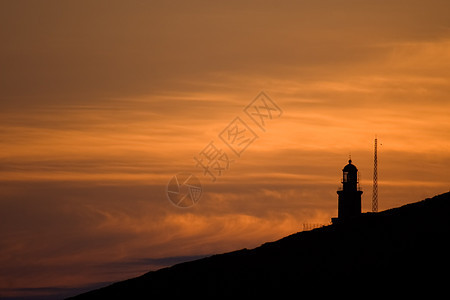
point(349, 195)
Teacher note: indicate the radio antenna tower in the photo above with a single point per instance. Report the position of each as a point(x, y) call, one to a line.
point(375, 179)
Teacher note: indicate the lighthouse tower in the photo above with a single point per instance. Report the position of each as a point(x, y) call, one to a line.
point(349, 200)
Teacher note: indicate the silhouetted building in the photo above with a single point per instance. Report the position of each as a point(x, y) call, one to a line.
point(349, 200)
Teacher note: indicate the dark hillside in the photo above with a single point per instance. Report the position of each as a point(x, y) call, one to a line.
point(405, 246)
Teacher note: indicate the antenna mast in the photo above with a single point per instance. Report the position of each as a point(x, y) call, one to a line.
point(375, 179)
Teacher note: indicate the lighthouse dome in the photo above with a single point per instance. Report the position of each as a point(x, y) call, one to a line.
point(350, 168)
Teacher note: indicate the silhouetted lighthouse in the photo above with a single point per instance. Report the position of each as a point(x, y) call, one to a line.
point(349, 201)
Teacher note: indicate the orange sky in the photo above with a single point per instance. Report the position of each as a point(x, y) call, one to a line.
point(102, 102)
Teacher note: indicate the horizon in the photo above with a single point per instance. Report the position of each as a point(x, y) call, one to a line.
point(103, 103)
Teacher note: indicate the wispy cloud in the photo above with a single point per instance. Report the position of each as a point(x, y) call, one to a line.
point(98, 115)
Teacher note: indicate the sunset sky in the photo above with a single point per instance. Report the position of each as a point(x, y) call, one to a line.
point(103, 102)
